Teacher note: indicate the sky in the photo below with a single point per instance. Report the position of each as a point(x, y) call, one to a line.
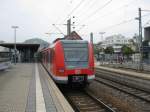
point(35, 18)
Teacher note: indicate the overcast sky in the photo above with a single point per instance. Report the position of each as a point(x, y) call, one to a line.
point(35, 17)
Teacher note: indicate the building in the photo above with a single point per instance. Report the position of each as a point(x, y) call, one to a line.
point(147, 33)
point(146, 43)
point(116, 41)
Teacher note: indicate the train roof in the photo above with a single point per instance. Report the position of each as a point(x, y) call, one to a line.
point(69, 42)
point(65, 42)
point(73, 41)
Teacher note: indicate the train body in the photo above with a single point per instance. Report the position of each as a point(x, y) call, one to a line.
point(69, 61)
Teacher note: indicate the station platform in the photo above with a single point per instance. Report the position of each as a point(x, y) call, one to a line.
point(126, 72)
point(28, 88)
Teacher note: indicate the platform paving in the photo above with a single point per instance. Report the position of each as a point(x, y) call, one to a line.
point(28, 88)
point(14, 87)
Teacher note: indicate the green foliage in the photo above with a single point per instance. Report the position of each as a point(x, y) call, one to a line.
point(126, 50)
point(96, 51)
point(109, 50)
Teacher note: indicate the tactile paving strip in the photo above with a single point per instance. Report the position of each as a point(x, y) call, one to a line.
point(50, 106)
point(31, 102)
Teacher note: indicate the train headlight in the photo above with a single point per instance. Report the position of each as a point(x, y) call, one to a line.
point(92, 68)
point(61, 70)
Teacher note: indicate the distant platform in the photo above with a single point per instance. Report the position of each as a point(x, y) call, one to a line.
point(28, 88)
point(126, 72)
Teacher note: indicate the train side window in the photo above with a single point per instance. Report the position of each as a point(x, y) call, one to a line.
point(51, 55)
point(47, 56)
point(44, 57)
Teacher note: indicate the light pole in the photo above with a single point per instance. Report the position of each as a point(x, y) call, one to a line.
point(102, 33)
point(15, 27)
point(140, 38)
point(141, 44)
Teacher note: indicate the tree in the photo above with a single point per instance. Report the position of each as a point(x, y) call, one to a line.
point(96, 51)
point(126, 50)
point(109, 50)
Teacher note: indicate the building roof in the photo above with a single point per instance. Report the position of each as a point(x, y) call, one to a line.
point(73, 36)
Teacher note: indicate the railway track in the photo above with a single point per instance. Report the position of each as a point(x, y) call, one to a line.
point(134, 82)
point(139, 94)
point(83, 101)
point(132, 91)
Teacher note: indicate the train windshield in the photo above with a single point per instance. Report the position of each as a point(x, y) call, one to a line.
point(76, 55)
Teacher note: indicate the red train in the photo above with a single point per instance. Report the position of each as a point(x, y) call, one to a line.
point(69, 61)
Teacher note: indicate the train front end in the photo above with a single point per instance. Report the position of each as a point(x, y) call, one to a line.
point(78, 61)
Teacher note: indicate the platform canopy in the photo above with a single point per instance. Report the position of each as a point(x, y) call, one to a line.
point(21, 46)
point(26, 52)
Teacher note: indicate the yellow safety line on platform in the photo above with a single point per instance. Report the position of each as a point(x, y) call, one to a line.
point(40, 103)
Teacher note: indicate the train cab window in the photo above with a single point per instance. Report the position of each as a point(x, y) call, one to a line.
point(76, 55)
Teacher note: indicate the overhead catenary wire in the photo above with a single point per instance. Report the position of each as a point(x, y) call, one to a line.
point(105, 15)
point(118, 24)
point(109, 13)
point(123, 22)
point(58, 29)
point(148, 21)
point(51, 30)
point(81, 28)
point(96, 11)
point(83, 11)
point(75, 8)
